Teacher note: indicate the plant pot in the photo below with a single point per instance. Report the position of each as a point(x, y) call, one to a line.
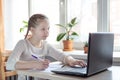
point(68, 45)
point(85, 50)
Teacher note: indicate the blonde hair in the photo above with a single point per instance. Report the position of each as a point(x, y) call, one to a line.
point(34, 20)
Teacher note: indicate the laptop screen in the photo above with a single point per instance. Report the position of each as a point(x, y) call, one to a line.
point(100, 52)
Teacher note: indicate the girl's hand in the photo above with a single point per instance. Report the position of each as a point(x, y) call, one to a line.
point(72, 62)
point(77, 62)
point(43, 64)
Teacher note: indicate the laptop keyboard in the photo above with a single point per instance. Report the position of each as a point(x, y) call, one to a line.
point(73, 69)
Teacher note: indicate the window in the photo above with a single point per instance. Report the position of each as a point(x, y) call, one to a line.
point(86, 13)
point(18, 10)
point(92, 16)
point(115, 22)
point(15, 11)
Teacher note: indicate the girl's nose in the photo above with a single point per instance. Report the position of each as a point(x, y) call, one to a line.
point(47, 31)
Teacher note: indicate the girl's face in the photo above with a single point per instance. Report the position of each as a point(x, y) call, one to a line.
point(41, 31)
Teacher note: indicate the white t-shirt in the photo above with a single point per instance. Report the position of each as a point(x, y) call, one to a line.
point(24, 49)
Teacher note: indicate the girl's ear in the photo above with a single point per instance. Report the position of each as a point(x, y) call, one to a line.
point(32, 29)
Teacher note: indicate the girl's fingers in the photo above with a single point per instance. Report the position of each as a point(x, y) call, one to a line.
point(44, 66)
point(46, 62)
point(81, 63)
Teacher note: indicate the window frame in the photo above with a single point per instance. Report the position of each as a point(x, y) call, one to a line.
point(103, 24)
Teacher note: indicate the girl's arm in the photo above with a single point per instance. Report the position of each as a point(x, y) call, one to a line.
point(32, 65)
point(53, 52)
point(15, 55)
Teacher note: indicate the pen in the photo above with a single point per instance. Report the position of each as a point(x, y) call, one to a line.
point(36, 57)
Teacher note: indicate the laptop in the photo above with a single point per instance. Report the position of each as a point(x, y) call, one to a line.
point(100, 55)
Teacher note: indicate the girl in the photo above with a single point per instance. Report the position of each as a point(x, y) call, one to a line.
point(22, 55)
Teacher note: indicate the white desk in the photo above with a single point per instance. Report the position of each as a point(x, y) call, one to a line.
point(113, 73)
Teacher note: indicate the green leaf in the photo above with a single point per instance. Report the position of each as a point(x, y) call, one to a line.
point(70, 25)
point(60, 25)
point(60, 36)
point(21, 29)
point(73, 20)
point(25, 22)
point(74, 34)
point(86, 44)
point(74, 24)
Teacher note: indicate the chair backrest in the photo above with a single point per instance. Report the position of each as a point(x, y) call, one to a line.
point(3, 72)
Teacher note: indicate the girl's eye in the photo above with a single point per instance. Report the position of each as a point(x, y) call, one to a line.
point(43, 29)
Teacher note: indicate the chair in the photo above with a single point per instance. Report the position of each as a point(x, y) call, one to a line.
point(4, 74)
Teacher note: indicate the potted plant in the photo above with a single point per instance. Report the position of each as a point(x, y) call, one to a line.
point(25, 26)
point(86, 47)
point(68, 35)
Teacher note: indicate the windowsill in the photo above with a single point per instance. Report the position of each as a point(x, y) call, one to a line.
point(79, 54)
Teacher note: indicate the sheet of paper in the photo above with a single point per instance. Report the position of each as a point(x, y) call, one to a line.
point(52, 66)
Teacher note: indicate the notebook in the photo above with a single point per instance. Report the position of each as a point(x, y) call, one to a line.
point(99, 58)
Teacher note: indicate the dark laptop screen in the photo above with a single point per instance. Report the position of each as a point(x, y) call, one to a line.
point(100, 52)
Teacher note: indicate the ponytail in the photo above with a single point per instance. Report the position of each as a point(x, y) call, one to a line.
point(26, 33)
